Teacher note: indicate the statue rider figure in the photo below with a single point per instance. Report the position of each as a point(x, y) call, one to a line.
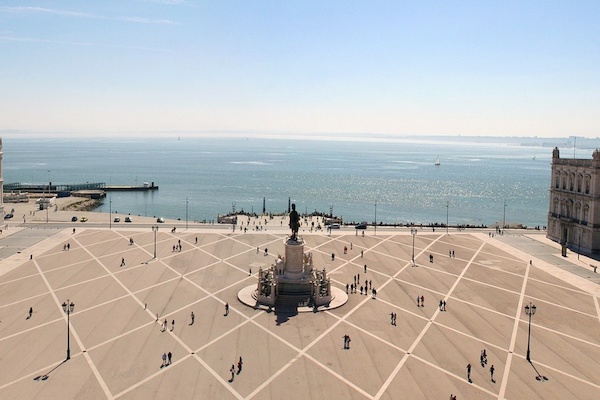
point(294, 221)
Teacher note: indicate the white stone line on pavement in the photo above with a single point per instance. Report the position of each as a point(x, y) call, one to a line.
point(23, 300)
point(198, 358)
point(513, 338)
point(577, 281)
point(576, 290)
point(594, 344)
point(303, 352)
point(467, 335)
point(151, 376)
point(419, 286)
point(472, 384)
point(539, 300)
point(407, 311)
point(339, 376)
point(418, 339)
point(492, 286)
point(377, 338)
point(115, 278)
point(73, 331)
point(17, 279)
point(575, 377)
point(597, 307)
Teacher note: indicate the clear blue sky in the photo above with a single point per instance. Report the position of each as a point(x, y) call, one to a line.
point(506, 68)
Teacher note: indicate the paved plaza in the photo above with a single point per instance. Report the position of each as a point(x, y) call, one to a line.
point(117, 342)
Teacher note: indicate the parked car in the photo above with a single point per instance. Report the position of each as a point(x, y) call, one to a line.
point(362, 225)
point(73, 219)
point(160, 220)
point(334, 226)
point(128, 219)
point(8, 216)
point(83, 219)
point(117, 219)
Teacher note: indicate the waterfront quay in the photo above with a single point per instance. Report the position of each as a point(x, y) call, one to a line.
point(69, 188)
point(116, 342)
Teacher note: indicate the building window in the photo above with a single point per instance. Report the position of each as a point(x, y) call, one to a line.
point(587, 184)
point(586, 212)
point(564, 181)
point(555, 206)
point(577, 214)
point(579, 179)
point(571, 182)
point(557, 180)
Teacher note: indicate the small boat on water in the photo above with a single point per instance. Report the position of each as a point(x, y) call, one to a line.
point(437, 160)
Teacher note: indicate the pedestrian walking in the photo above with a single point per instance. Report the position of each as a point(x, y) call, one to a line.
point(361, 254)
point(469, 372)
point(164, 360)
point(192, 316)
point(196, 239)
point(165, 325)
point(346, 342)
point(232, 370)
point(443, 305)
point(392, 318)
point(492, 369)
point(122, 261)
point(365, 268)
point(422, 301)
point(347, 286)
point(30, 312)
point(169, 357)
point(172, 325)
point(226, 309)
point(239, 366)
point(418, 301)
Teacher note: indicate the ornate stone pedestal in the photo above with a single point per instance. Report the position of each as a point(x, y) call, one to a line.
point(292, 283)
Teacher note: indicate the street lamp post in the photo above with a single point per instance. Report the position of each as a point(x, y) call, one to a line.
point(447, 209)
point(504, 218)
point(529, 310)
point(154, 229)
point(47, 200)
point(413, 232)
point(68, 308)
point(375, 217)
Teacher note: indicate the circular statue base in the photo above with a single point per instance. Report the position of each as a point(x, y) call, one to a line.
point(247, 296)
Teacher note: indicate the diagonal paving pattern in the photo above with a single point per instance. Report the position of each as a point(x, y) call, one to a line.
point(117, 336)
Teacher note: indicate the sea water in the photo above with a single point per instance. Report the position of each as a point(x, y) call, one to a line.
point(391, 181)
